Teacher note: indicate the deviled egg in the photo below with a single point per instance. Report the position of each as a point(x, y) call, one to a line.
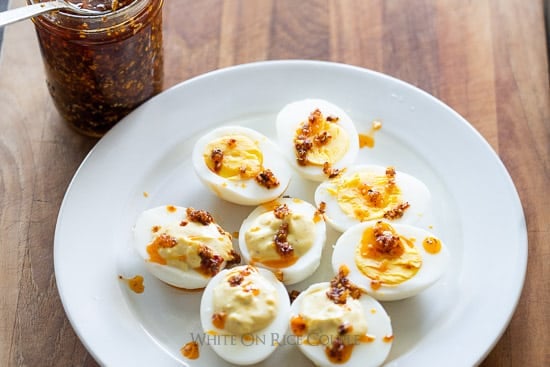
point(245, 309)
point(369, 192)
point(336, 323)
point(286, 236)
point(391, 262)
point(240, 165)
point(318, 138)
point(183, 247)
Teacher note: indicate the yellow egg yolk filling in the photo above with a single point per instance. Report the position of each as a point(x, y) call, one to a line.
point(235, 157)
point(324, 320)
point(244, 302)
point(320, 140)
point(191, 246)
point(367, 196)
point(385, 256)
point(295, 229)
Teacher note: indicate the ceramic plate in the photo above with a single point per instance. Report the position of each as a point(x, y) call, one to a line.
point(145, 162)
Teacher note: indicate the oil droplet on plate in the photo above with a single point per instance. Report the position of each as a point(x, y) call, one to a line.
point(135, 284)
point(367, 140)
point(190, 350)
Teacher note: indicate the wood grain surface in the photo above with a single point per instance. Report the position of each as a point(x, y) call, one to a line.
point(486, 59)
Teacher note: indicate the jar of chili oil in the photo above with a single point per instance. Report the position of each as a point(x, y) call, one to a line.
point(101, 67)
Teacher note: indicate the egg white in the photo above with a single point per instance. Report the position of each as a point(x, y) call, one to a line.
point(365, 354)
point(143, 236)
point(288, 121)
point(308, 262)
point(413, 191)
point(433, 265)
point(244, 191)
point(236, 349)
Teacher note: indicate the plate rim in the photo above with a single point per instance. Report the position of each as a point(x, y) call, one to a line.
point(523, 236)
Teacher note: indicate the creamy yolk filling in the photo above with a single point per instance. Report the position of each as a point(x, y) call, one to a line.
point(333, 317)
point(320, 140)
point(385, 256)
point(234, 157)
point(189, 245)
point(326, 320)
point(244, 302)
point(366, 196)
point(261, 243)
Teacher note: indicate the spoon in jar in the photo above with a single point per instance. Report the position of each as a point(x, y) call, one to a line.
point(25, 12)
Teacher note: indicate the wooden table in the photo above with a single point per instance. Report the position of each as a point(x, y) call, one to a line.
point(486, 59)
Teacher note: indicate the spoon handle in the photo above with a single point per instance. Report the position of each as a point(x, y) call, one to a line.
point(24, 12)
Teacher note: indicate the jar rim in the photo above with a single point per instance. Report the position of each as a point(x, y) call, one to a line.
point(112, 16)
point(88, 26)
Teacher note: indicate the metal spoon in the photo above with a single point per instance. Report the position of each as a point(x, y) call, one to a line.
point(24, 12)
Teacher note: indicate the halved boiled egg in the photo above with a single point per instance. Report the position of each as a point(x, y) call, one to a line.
point(368, 192)
point(240, 165)
point(318, 138)
point(183, 247)
point(286, 236)
point(244, 310)
point(391, 262)
point(337, 324)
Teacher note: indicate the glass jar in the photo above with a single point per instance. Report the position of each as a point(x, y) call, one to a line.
point(101, 67)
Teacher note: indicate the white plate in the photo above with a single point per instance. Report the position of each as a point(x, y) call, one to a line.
point(476, 211)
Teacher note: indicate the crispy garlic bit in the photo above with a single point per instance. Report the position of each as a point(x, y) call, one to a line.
point(332, 317)
point(320, 212)
point(329, 171)
point(368, 196)
point(278, 237)
point(196, 243)
point(244, 302)
point(237, 157)
point(341, 287)
point(320, 141)
point(267, 179)
point(385, 256)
